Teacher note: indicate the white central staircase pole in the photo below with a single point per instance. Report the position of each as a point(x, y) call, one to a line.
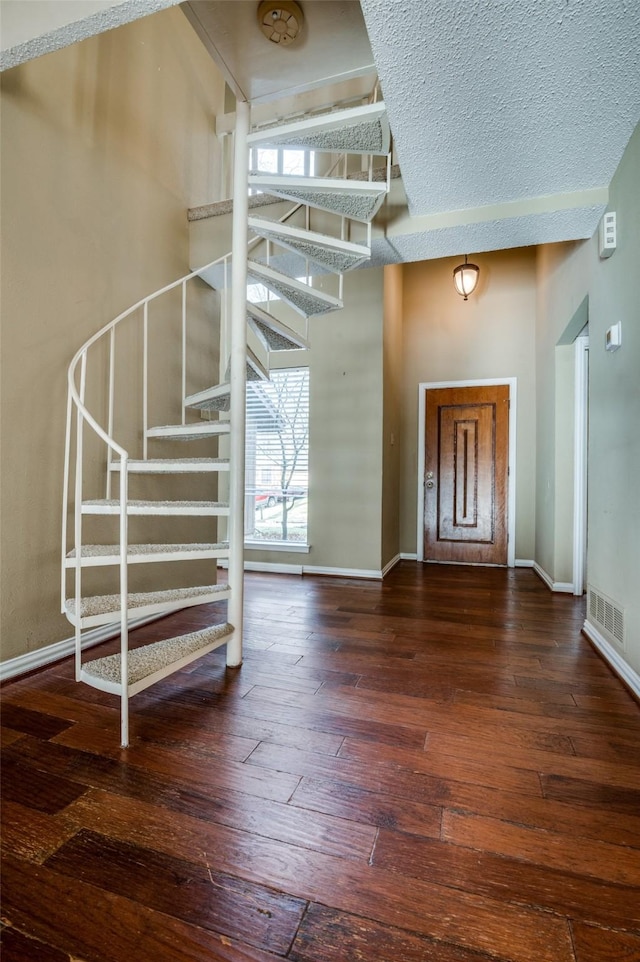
point(238, 381)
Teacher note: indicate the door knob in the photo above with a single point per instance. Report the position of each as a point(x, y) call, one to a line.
point(429, 483)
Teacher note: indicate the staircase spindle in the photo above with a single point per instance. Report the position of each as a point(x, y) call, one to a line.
point(145, 380)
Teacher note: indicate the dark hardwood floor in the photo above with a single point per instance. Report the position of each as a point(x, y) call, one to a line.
point(437, 768)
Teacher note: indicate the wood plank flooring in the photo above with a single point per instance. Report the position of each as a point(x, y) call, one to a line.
point(436, 768)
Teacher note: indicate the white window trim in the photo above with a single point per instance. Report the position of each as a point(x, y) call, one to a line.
point(301, 547)
point(298, 546)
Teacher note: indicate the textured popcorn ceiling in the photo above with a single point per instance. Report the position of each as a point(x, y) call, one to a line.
point(490, 104)
point(511, 102)
point(493, 102)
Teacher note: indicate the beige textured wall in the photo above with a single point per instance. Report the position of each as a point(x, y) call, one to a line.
point(568, 273)
point(391, 414)
point(613, 560)
point(104, 146)
point(345, 431)
point(492, 335)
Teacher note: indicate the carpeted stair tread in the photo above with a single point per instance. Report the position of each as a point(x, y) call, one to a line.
point(152, 658)
point(196, 431)
point(255, 369)
point(272, 339)
point(357, 200)
point(153, 465)
point(308, 301)
point(217, 398)
point(273, 333)
point(110, 604)
point(106, 550)
point(332, 253)
point(362, 129)
point(111, 505)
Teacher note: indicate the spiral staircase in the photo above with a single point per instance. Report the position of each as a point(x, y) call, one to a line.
point(96, 456)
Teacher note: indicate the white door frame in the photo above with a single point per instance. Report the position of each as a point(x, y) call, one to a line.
point(580, 438)
point(512, 383)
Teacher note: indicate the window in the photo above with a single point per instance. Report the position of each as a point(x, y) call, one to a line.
point(278, 160)
point(277, 458)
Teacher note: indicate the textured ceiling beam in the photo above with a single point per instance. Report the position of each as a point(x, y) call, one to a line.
point(525, 230)
point(403, 223)
point(57, 25)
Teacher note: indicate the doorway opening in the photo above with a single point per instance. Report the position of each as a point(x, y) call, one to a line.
point(580, 449)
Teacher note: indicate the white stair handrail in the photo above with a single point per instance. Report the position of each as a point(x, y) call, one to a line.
point(105, 330)
point(76, 403)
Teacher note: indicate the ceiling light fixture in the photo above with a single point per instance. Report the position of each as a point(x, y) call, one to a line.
point(280, 20)
point(465, 278)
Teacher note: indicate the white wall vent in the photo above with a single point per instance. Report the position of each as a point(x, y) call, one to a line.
point(607, 615)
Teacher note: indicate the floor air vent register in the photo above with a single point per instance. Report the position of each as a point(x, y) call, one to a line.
point(606, 615)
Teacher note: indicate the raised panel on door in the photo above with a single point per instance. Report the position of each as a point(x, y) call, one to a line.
point(466, 465)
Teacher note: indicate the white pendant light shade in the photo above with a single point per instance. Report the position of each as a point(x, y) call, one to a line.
point(465, 278)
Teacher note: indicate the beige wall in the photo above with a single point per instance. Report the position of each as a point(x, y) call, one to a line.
point(105, 145)
point(613, 561)
point(567, 274)
point(492, 335)
point(345, 431)
point(391, 413)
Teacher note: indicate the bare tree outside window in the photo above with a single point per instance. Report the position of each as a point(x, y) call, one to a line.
point(277, 456)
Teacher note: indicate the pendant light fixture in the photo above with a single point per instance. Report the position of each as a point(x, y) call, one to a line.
point(465, 278)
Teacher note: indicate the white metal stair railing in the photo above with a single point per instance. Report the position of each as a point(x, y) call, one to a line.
point(367, 133)
point(137, 669)
point(361, 130)
point(129, 672)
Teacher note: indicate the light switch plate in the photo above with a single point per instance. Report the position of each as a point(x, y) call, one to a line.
point(607, 234)
point(613, 337)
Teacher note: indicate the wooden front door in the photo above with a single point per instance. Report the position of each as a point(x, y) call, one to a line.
point(465, 474)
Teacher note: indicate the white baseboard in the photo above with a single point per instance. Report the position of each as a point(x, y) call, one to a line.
point(271, 567)
point(20, 665)
point(343, 572)
point(611, 656)
point(565, 587)
point(390, 564)
point(408, 556)
point(523, 563)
